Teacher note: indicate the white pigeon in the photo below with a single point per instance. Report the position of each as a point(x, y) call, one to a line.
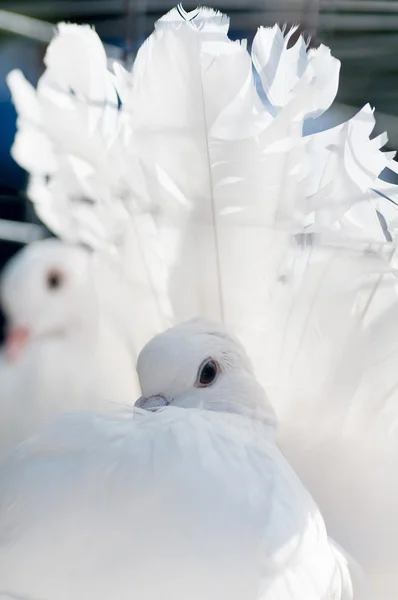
point(225, 209)
point(318, 319)
point(189, 498)
point(62, 352)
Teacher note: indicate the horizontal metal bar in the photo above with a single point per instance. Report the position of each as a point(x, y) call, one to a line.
point(365, 24)
point(37, 30)
point(358, 6)
point(64, 8)
point(26, 26)
point(263, 12)
point(116, 7)
point(358, 22)
point(21, 233)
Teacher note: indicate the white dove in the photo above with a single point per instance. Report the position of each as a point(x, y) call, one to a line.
point(319, 325)
point(189, 498)
point(62, 352)
point(223, 208)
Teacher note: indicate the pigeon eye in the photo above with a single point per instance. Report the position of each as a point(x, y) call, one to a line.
point(207, 373)
point(54, 280)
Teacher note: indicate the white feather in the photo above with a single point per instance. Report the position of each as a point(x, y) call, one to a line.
point(281, 68)
point(93, 183)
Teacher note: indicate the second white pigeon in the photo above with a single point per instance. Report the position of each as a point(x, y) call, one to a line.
point(62, 353)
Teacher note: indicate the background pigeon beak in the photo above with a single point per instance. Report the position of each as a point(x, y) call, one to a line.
point(15, 342)
point(151, 403)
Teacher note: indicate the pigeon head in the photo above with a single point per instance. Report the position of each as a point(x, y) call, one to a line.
point(200, 365)
point(44, 292)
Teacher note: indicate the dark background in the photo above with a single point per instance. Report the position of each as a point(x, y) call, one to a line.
point(363, 34)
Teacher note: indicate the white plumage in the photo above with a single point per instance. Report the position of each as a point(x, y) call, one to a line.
point(62, 352)
point(173, 504)
point(218, 206)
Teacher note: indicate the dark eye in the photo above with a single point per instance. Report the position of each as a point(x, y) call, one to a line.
point(207, 373)
point(54, 280)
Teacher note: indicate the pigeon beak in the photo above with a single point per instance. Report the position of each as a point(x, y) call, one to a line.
point(152, 403)
point(15, 342)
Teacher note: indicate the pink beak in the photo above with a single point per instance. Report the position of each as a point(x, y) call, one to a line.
point(15, 342)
